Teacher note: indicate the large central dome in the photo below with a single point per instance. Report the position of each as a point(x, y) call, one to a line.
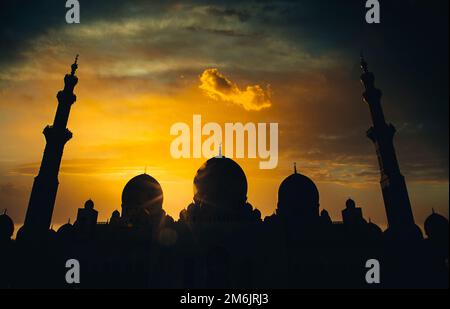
point(141, 196)
point(220, 182)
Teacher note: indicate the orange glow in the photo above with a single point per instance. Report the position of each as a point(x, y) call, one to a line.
point(121, 128)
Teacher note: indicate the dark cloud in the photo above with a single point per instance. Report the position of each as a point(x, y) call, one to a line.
point(22, 20)
point(242, 15)
point(225, 32)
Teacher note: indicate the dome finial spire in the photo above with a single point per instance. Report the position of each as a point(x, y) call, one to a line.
point(220, 151)
point(5, 211)
point(295, 168)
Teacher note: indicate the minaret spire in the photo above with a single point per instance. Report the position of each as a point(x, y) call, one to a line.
point(393, 185)
point(45, 186)
point(364, 65)
point(74, 66)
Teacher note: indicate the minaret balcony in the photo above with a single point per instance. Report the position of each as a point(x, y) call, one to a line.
point(66, 97)
point(55, 135)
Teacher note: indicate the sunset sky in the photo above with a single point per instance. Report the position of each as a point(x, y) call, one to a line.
point(145, 65)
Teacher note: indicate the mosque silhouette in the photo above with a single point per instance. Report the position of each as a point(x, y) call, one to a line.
point(220, 239)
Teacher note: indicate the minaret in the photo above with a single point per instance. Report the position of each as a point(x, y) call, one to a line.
point(395, 194)
point(45, 186)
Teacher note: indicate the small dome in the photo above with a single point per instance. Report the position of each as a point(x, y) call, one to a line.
point(89, 204)
point(143, 192)
point(115, 214)
point(65, 229)
point(66, 232)
point(220, 181)
point(6, 226)
point(115, 218)
point(298, 195)
point(350, 204)
point(436, 226)
point(325, 217)
point(374, 229)
point(24, 234)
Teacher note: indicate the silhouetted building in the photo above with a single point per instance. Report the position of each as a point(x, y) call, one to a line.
point(66, 233)
point(352, 215)
point(395, 194)
point(325, 217)
point(220, 240)
point(45, 186)
point(6, 227)
point(436, 228)
point(374, 230)
point(87, 218)
point(115, 218)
